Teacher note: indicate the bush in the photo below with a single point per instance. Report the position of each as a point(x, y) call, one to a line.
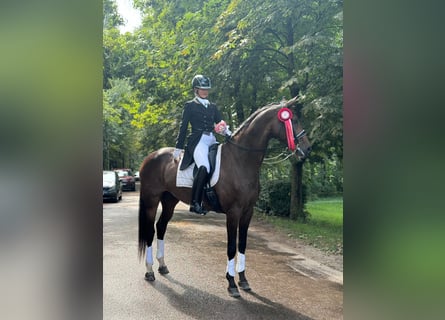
point(323, 179)
point(275, 198)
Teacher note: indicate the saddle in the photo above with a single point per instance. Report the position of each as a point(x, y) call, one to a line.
point(185, 176)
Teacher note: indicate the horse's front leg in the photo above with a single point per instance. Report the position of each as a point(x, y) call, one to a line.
point(242, 244)
point(232, 226)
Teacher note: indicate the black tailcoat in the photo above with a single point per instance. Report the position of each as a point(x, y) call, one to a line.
point(201, 119)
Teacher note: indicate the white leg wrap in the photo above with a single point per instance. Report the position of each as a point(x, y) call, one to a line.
point(160, 249)
point(148, 267)
point(161, 261)
point(149, 256)
point(241, 262)
point(231, 267)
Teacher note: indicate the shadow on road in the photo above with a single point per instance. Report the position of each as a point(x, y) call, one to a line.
point(197, 303)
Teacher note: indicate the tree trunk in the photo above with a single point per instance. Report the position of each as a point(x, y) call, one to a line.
point(296, 197)
point(237, 85)
point(297, 211)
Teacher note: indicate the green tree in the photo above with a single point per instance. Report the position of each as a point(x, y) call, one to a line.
point(111, 19)
point(255, 51)
point(292, 43)
point(119, 135)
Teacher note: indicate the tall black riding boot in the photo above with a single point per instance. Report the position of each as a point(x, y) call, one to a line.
point(198, 191)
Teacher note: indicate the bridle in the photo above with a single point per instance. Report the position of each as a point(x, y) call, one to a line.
point(300, 135)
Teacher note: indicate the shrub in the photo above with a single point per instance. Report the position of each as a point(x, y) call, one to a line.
point(275, 198)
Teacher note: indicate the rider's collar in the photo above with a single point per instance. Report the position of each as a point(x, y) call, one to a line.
point(202, 101)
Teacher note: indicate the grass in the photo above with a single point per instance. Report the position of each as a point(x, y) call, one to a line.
point(323, 229)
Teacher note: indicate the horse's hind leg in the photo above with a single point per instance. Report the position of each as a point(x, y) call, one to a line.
point(147, 216)
point(169, 203)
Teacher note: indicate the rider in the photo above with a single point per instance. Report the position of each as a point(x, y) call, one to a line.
point(204, 117)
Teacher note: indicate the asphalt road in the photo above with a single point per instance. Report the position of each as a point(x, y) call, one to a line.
point(286, 283)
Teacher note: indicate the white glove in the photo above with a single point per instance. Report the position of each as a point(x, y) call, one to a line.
point(227, 132)
point(177, 153)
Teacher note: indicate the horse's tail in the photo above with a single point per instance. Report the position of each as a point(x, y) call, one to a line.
point(151, 168)
point(143, 230)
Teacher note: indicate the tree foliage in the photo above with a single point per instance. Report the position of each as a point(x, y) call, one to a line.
point(254, 51)
point(112, 19)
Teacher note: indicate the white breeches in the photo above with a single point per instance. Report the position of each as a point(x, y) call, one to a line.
point(200, 155)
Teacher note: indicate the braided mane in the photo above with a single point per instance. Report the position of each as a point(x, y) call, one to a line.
point(249, 120)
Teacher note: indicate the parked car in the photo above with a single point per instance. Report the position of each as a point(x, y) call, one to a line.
point(112, 187)
point(136, 176)
point(127, 179)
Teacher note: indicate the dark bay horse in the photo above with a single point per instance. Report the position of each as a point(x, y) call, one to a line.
point(237, 188)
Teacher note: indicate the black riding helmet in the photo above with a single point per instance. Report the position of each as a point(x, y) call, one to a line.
point(201, 82)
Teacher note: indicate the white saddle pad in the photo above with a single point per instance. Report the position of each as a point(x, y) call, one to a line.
point(184, 178)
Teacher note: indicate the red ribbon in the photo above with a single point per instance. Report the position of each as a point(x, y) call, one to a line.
point(285, 116)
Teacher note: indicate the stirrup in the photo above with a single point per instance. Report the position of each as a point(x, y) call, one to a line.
point(197, 208)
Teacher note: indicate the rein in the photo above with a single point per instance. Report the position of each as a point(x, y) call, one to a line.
point(269, 161)
point(229, 140)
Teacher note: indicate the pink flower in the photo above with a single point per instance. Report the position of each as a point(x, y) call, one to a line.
point(220, 127)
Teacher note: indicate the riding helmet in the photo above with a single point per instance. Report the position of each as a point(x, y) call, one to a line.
point(201, 82)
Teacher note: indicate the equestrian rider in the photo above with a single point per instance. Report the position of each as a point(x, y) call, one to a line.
point(204, 117)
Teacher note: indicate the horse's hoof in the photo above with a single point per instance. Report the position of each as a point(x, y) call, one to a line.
point(244, 285)
point(163, 270)
point(233, 292)
point(150, 276)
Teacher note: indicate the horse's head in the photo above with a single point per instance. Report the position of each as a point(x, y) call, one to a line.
point(273, 121)
point(290, 130)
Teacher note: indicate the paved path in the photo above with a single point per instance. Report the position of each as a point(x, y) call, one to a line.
point(286, 284)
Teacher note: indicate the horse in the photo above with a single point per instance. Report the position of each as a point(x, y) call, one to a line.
point(237, 188)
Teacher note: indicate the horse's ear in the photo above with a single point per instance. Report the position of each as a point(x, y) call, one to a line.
point(294, 104)
point(291, 102)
